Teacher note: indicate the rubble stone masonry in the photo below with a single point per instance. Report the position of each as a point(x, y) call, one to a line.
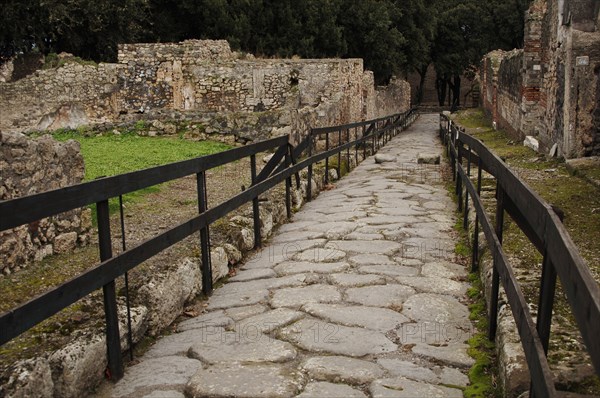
point(558, 71)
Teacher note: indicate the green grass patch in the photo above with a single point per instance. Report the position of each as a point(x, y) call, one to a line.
point(113, 154)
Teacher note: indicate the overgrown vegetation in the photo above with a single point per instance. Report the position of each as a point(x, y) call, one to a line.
point(482, 373)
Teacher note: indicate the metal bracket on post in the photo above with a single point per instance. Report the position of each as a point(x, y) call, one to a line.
point(113, 337)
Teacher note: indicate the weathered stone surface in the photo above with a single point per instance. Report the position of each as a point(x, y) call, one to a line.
point(353, 280)
point(261, 284)
point(166, 297)
point(436, 308)
point(164, 373)
point(221, 301)
point(321, 254)
point(330, 390)
point(317, 336)
point(380, 296)
point(431, 374)
point(300, 267)
point(340, 369)
point(444, 270)
point(434, 285)
point(333, 230)
point(80, 364)
point(31, 378)
point(178, 344)
point(389, 270)
point(165, 394)
point(249, 381)
point(532, 143)
point(64, 243)
point(252, 274)
point(382, 158)
point(296, 297)
point(371, 259)
point(267, 321)
point(239, 313)
point(211, 319)
point(275, 254)
point(453, 354)
point(358, 246)
point(400, 387)
point(241, 346)
point(381, 319)
point(428, 158)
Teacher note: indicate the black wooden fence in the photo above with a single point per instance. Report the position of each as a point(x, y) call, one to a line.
point(281, 167)
point(536, 218)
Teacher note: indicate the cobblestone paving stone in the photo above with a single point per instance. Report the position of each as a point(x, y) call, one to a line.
point(358, 297)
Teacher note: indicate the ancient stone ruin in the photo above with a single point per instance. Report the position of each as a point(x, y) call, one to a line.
point(550, 89)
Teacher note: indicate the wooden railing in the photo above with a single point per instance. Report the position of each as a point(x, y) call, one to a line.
point(281, 167)
point(543, 227)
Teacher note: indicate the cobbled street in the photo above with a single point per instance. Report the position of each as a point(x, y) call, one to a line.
point(357, 297)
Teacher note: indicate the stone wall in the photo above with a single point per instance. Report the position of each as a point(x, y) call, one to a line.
point(31, 166)
point(558, 77)
point(201, 77)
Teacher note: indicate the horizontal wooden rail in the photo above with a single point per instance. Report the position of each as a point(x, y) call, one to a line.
point(536, 218)
point(28, 209)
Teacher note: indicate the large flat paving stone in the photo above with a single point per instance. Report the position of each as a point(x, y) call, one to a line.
point(261, 284)
point(354, 280)
point(320, 255)
point(166, 373)
point(296, 235)
point(428, 307)
point(266, 322)
point(238, 347)
point(272, 255)
point(330, 390)
point(249, 381)
point(381, 319)
point(444, 269)
point(216, 318)
point(301, 267)
point(432, 374)
point(253, 274)
point(333, 230)
point(317, 336)
point(179, 343)
point(389, 270)
point(296, 297)
point(452, 354)
point(386, 296)
point(365, 246)
point(237, 299)
point(400, 387)
point(340, 369)
point(371, 259)
point(434, 285)
point(239, 313)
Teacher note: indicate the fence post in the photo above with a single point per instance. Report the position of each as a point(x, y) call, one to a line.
point(466, 214)
point(339, 156)
point(495, 275)
point(255, 207)
point(546, 299)
point(310, 167)
point(348, 149)
point(475, 251)
point(288, 185)
point(459, 190)
point(113, 337)
point(327, 158)
point(207, 285)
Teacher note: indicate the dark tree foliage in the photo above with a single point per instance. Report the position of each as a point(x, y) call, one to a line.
point(392, 36)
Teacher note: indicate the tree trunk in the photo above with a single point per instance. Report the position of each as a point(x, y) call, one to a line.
point(420, 89)
point(440, 88)
point(455, 93)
